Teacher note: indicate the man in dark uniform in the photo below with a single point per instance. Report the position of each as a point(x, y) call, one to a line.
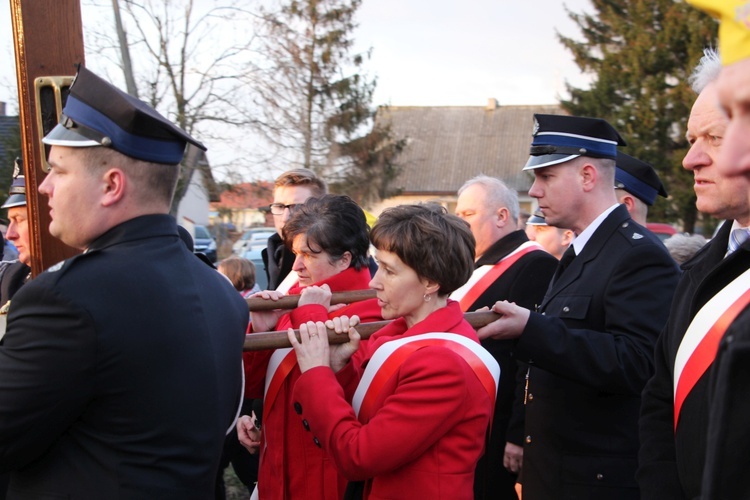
point(291, 188)
point(591, 343)
point(673, 443)
point(637, 185)
point(120, 371)
point(553, 239)
point(508, 267)
point(13, 274)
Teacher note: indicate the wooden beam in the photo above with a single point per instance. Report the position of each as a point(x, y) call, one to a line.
point(48, 42)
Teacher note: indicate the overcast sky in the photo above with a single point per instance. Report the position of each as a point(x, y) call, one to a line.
point(438, 52)
point(441, 52)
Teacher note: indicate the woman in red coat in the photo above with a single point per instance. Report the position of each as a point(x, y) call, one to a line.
point(329, 238)
point(418, 419)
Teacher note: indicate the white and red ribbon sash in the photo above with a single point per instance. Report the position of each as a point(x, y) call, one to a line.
point(288, 282)
point(386, 361)
point(282, 361)
point(484, 276)
point(701, 341)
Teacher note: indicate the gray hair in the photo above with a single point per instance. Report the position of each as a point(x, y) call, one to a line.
point(682, 247)
point(498, 194)
point(706, 71)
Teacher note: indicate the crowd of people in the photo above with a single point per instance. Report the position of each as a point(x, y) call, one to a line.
point(611, 369)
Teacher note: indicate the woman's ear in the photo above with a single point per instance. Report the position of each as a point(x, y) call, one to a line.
point(346, 260)
point(430, 286)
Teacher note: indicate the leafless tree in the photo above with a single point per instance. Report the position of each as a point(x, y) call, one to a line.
point(189, 63)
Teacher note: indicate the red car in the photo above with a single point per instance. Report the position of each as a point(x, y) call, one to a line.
point(663, 231)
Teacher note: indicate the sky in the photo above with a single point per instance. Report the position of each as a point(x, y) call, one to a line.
point(439, 52)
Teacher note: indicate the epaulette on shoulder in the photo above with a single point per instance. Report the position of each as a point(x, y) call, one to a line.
point(634, 233)
point(66, 264)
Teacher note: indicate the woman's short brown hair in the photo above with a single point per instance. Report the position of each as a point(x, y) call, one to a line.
point(334, 224)
point(437, 245)
point(240, 271)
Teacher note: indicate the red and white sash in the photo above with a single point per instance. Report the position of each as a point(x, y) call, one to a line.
point(701, 341)
point(282, 361)
point(484, 276)
point(288, 282)
point(386, 361)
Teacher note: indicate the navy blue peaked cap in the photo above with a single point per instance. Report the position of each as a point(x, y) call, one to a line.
point(638, 178)
point(561, 138)
point(17, 189)
point(536, 219)
point(97, 113)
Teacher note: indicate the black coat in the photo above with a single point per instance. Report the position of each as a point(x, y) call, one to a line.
point(670, 463)
point(725, 475)
point(13, 275)
point(120, 371)
point(278, 260)
point(523, 283)
point(592, 349)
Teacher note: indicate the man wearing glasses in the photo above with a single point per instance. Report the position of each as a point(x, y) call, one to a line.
point(291, 188)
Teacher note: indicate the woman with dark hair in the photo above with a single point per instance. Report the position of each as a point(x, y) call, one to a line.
point(328, 236)
point(421, 410)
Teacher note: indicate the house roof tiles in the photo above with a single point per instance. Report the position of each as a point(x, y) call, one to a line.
point(446, 146)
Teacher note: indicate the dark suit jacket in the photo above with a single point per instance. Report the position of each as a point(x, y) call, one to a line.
point(728, 441)
point(523, 283)
point(14, 275)
point(670, 463)
point(278, 260)
point(120, 371)
point(592, 349)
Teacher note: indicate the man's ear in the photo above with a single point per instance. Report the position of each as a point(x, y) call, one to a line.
point(503, 216)
point(567, 237)
point(629, 202)
point(114, 183)
point(589, 176)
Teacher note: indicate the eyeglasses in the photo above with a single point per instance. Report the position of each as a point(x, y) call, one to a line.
point(278, 208)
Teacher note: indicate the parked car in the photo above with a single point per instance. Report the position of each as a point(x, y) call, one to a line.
point(255, 237)
point(260, 270)
point(204, 243)
point(663, 231)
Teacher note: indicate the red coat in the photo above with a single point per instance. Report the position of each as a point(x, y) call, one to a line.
point(291, 466)
point(428, 427)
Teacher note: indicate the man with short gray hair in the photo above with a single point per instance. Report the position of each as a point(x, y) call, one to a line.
point(508, 267)
point(675, 410)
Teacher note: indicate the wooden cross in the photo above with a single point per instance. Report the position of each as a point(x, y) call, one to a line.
point(48, 43)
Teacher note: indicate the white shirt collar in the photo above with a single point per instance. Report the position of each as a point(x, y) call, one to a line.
point(580, 241)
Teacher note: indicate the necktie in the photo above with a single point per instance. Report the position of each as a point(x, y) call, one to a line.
point(565, 261)
point(737, 237)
